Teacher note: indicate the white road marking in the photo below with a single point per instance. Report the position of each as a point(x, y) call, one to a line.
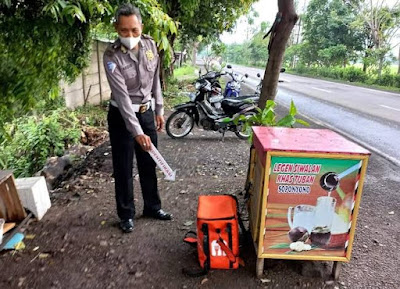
point(388, 107)
point(324, 90)
point(348, 135)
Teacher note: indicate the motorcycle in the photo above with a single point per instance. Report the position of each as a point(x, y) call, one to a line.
point(233, 87)
point(200, 111)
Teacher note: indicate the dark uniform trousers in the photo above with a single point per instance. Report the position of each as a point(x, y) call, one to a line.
point(123, 148)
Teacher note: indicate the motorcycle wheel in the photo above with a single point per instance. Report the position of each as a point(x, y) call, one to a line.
point(240, 131)
point(179, 124)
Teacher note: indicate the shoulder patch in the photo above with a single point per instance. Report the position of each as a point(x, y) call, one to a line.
point(111, 66)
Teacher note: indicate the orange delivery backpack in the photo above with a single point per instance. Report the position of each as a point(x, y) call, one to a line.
point(217, 238)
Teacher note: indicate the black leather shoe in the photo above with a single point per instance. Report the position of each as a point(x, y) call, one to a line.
point(159, 215)
point(126, 225)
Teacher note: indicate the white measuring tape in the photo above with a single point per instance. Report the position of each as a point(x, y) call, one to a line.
point(162, 164)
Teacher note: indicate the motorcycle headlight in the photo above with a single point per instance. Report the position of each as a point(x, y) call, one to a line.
point(192, 96)
point(197, 85)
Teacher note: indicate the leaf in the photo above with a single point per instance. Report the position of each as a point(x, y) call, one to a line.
point(43, 255)
point(19, 246)
point(30, 236)
point(303, 122)
point(280, 246)
point(188, 223)
point(287, 121)
point(293, 109)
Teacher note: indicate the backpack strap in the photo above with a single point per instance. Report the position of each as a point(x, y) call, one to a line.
point(206, 249)
point(227, 250)
point(192, 241)
point(241, 225)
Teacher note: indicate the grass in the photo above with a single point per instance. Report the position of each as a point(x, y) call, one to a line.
point(186, 72)
point(180, 85)
point(361, 84)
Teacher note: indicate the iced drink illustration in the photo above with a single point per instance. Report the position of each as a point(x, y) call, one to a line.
point(303, 222)
point(323, 218)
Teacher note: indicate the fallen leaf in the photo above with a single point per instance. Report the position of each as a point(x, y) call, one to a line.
point(35, 249)
point(265, 280)
point(43, 255)
point(103, 223)
point(188, 223)
point(30, 236)
point(204, 281)
point(19, 246)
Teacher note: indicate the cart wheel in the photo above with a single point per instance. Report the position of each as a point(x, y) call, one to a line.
point(336, 270)
point(260, 267)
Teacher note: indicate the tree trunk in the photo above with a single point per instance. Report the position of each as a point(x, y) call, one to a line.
point(365, 61)
point(280, 34)
point(171, 40)
point(398, 71)
point(194, 53)
point(380, 68)
point(162, 71)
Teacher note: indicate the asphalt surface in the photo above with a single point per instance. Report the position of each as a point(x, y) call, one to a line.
point(367, 116)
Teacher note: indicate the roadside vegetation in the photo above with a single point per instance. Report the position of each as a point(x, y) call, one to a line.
point(180, 85)
point(30, 140)
point(343, 40)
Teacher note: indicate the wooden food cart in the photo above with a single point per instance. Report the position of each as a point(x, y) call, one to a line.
point(305, 188)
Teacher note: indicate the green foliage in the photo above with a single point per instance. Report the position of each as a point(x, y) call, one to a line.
point(41, 43)
point(211, 17)
point(34, 139)
point(351, 74)
point(328, 33)
point(253, 52)
point(186, 71)
point(268, 117)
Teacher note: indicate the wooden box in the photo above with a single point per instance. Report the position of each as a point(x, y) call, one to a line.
point(306, 187)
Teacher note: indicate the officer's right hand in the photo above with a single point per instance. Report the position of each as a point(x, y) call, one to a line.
point(144, 141)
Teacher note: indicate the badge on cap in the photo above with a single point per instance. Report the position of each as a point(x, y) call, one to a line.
point(149, 55)
point(111, 66)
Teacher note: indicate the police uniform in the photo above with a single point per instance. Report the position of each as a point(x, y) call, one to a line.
point(134, 81)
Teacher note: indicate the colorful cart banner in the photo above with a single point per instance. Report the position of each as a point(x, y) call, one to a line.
point(309, 205)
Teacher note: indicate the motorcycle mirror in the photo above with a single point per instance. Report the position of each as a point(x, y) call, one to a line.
point(246, 75)
point(283, 70)
point(258, 75)
point(229, 66)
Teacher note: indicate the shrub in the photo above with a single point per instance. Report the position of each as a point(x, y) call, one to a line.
point(33, 139)
point(353, 74)
point(388, 79)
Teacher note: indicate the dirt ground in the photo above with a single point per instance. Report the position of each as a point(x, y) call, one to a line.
point(78, 244)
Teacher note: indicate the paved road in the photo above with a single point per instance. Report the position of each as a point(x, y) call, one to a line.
point(370, 101)
point(370, 117)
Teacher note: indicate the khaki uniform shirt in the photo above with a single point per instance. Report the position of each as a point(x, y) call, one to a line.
point(133, 79)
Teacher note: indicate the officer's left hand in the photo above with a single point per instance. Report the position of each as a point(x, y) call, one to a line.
point(160, 122)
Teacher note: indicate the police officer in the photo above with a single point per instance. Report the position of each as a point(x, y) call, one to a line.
point(132, 68)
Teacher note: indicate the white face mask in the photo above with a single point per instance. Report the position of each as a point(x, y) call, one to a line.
point(129, 42)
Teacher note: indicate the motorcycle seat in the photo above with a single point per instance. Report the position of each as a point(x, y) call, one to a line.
point(239, 101)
